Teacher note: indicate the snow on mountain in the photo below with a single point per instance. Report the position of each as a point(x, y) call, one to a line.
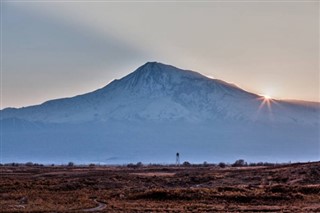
point(161, 92)
point(156, 111)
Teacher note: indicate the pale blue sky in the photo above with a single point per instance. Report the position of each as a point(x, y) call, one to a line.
point(60, 49)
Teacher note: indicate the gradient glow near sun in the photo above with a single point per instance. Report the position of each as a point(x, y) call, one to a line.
point(266, 96)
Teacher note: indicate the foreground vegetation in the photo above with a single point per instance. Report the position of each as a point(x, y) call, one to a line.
point(157, 188)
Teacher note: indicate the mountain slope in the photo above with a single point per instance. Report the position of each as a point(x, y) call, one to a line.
point(156, 111)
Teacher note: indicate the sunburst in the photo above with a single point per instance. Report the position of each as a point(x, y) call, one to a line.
point(266, 101)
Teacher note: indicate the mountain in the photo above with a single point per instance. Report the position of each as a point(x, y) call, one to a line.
point(161, 92)
point(159, 109)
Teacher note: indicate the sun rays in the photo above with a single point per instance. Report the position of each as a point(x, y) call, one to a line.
point(266, 102)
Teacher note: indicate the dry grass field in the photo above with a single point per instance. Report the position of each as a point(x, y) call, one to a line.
point(282, 188)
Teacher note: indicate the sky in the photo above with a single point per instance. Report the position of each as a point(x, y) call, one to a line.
point(55, 49)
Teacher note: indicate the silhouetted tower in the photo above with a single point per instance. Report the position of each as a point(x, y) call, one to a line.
point(177, 159)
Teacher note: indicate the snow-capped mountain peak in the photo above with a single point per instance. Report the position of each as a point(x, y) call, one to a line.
point(154, 76)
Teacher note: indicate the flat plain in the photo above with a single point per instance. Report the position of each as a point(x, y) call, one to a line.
point(158, 188)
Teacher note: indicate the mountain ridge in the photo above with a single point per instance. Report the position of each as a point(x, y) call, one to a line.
point(158, 91)
point(152, 64)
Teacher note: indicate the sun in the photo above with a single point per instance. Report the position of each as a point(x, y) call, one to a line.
point(266, 102)
point(267, 97)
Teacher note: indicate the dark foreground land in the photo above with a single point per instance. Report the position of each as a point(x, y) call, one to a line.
point(286, 188)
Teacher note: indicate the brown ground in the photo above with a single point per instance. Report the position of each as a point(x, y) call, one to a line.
point(287, 188)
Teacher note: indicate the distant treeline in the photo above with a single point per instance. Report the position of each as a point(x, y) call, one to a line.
point(237, 163)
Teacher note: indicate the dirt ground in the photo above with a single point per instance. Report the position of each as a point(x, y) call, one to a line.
point(282, 188)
